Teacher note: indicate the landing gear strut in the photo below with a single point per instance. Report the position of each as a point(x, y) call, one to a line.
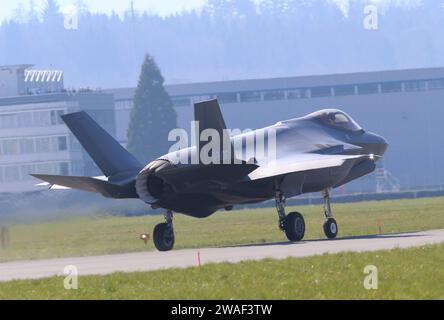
point(330, 225)
point(163, 234)
point(292, 224)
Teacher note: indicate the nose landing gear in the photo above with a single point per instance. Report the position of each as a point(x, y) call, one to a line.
point(330, 225)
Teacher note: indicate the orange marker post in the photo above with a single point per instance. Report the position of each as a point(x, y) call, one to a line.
point(379, 223)
point(145, 237)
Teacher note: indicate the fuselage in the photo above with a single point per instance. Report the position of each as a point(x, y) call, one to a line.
point(313, 134)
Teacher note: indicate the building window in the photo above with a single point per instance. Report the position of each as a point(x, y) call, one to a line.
point(62, 143)
point(43, 145)
point(387, 87)
point(415, 86)
point(124, 104)
point(77, 168)
point(47, 168)
point(64, 168)
point(319, 92)
point(8, 121)
point(368, 88)
point(274, 95)
point(27, 170)
point(31, 119)
point(24, 119)
point(297, 94)
point(227, 97)
point(436, 84)
point(200, 98)
point(11, 147)
point(42, 118)
point(33, 145)
point(56, 117)
point(346, 90)
point(27, 146)
point(181, 102)
point(250, 96)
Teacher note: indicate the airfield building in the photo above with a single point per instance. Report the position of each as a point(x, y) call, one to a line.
point(405, 106)
point(33, 137)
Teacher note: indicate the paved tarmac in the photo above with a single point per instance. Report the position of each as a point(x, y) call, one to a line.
point(153, 260)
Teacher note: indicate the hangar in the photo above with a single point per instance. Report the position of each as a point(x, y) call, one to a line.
point(405, 106)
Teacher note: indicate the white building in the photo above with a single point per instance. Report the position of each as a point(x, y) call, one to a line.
point(33, 137)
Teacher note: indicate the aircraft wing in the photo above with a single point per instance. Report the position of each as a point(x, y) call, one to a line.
point(303, 162)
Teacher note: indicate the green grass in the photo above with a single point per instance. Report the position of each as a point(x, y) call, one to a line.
point(415, 273)
point(107, 235)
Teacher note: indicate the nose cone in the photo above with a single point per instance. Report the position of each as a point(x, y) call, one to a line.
point(371, 143)
point(376, 144)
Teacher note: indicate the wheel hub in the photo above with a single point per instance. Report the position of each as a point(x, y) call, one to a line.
point(333, 227)
point(299, 226)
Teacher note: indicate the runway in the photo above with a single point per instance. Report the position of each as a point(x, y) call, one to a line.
point(146, 261)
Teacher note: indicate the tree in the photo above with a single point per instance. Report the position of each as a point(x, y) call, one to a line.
point(19, 14)
point(51, 12)
point(33, 16)
point(152, 116)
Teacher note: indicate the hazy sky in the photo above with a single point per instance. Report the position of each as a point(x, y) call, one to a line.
point(162, 7)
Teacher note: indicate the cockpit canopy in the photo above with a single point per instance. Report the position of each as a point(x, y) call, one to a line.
point(336, 118)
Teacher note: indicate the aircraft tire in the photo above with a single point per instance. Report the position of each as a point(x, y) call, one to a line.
point(294, 226)
point(163, 237)
point(331, 228)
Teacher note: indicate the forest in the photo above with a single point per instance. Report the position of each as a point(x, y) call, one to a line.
point(226, 39)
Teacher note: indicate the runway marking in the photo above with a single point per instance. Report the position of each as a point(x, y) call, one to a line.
point(153, 260)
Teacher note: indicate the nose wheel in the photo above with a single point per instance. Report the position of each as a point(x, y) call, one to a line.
point(163, 233)
point(330, 225)
point(331, 228)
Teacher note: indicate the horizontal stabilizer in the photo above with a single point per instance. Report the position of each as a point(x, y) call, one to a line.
point(85, 184)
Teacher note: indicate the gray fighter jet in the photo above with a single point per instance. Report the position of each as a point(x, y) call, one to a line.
point(315, 153)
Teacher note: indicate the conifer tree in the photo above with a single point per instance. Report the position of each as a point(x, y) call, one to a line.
point(152, 116)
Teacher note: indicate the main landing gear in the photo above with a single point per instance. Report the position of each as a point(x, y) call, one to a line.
point(163, 234)
point(293, 224)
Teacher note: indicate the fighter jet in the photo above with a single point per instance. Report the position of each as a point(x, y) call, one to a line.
point(314, 153)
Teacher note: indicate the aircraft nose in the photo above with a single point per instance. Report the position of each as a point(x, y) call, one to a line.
point(378, 144)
